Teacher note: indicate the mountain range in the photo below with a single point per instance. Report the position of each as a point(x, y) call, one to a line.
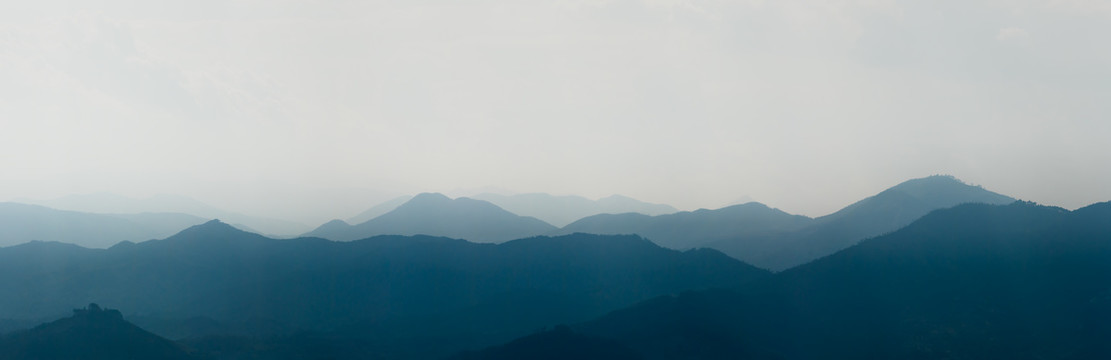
point(882, 213)
point(92, 333)
point(107, 203)
point(931, 268)
point(20, 223)
point(438, 215)
point(397, 289)
point(977, 281)
point(563, 210)
point(775, 240)
point(692, 229)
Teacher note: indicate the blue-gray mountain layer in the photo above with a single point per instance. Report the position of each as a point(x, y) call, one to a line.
point(775, 240)
point(437, 215)
point(20, 223)
point(563, 210)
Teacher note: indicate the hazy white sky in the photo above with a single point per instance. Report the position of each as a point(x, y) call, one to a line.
point(319, 109)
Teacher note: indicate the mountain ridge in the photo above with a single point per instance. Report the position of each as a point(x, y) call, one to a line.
point(109, 203)
point(91, 333)
point(689, 229)
point(972, 281)
point(438, 215)
point(563, 210)
point(400, 287)
point(26, 222)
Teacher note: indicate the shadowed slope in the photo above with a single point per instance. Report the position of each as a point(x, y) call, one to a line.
point(395, 289)
point(976, 281)
point(378, 210)
point(92, 334)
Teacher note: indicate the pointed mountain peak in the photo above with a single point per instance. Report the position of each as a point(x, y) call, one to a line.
point(215, 224)
point(212, 228)
point(331, 226)
point(336, 222)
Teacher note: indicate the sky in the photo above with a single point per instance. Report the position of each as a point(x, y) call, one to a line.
point(313, 110)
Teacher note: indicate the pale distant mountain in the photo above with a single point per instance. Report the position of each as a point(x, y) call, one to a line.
point(438, 215)
point(378, 210)
point(883, 213)
point(20, 223)
point(690, 229)
point(108, 203)
point(562, 210)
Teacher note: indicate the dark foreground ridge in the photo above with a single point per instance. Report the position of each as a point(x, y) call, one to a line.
point(555, 344)
point(385, 297)
point(92, 333)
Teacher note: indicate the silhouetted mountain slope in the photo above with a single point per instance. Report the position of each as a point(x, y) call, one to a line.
point(558, 343)
point(438, 215)
point(20, 223)
point(391, 288)
point(92, 334)
point(562, 210)
point(690, 229)
point(379, 210)
point(885, 212)
point(976, 281)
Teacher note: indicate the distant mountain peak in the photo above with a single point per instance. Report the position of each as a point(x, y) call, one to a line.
point(336, 222)
point(943, 191)
point(216, 223)
point(211, 228)
point(754, 204)
point(932, 179)
point(438, 215)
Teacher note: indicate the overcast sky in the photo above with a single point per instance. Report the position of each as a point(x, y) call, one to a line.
point(319, 109)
